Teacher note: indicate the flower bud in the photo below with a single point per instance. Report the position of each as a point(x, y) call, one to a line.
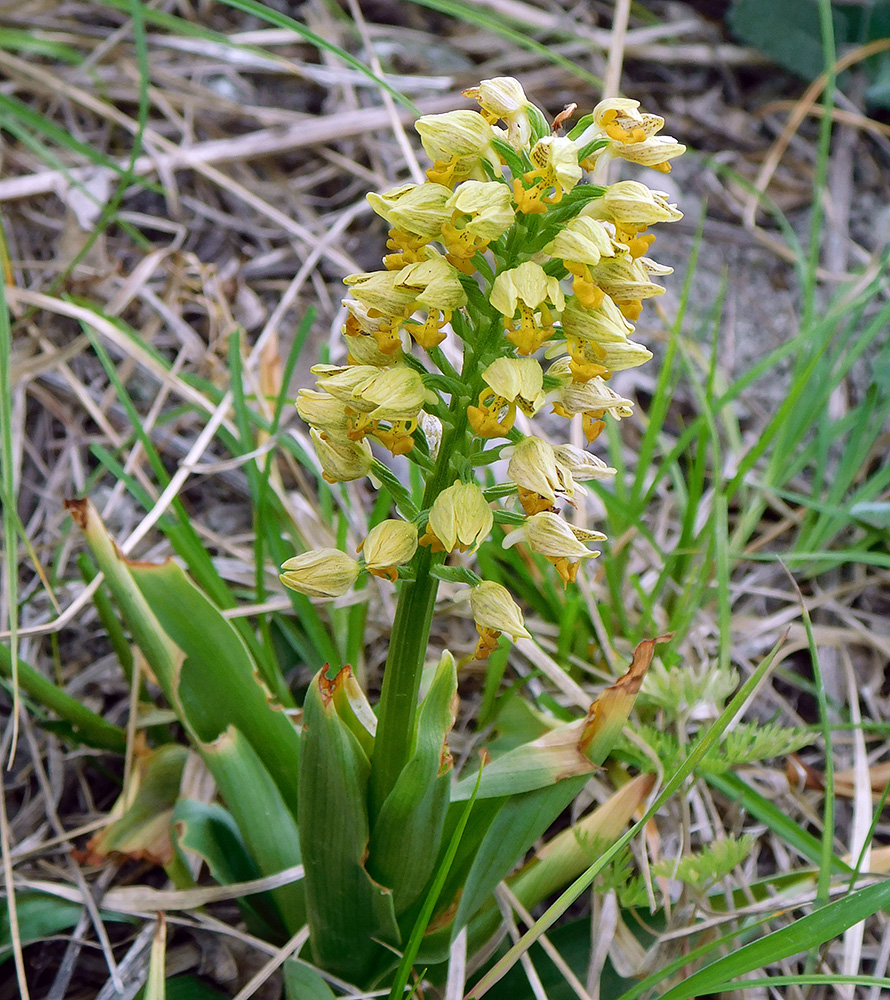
point(494, 608)
point(390, 544)
point(320, 573)
point(341, 460)
point(459, 518)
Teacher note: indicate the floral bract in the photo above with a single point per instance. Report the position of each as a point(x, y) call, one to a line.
point(509, 281)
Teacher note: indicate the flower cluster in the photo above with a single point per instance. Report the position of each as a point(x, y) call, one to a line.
point(535, 279)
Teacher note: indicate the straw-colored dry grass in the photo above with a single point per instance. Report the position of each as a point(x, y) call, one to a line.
point(237, 180)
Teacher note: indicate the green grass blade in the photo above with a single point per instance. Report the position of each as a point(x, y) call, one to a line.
point(808, 932)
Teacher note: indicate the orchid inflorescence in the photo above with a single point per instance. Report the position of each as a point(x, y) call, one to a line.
point(505, 258)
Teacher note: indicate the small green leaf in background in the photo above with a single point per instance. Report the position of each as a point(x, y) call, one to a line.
point(788, 31)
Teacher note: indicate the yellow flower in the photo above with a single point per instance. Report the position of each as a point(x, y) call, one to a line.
point(459, 518)
point(493, 607)
point(389, 544)
point(533, 292)
point(626, 282)
point(535, 470)
point(512, 382)
point(489, 206)
point(382, 291)
point(322, 410)
point(558, 541)
point(395, 393)
point(620, 119)
point(341, 459)
point(630, 203)
point(503, 99)
point(457, 142)
point(556, 166)
point(593, 399)
point(418, 209)
point(364, 350)
point(320, 573)
point(604, 325)
point(583, 240)
point(384, 330)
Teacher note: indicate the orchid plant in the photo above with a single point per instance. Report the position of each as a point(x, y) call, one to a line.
point(502, 261)
point(509, 282)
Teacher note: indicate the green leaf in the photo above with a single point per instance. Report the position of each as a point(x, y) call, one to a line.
point(347, 911)
point(302, 982)
point(408, 830)
point(208, 830)
point(263, 819)
point(216, 685)
point(787, 31)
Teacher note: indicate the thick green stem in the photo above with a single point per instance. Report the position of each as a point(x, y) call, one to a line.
point(397, 710)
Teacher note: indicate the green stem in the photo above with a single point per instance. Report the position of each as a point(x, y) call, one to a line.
point(397, 711)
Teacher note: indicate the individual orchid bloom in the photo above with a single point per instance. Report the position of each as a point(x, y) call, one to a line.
point(362, 319)
point(417, 209)
point(482, 211)
point(558, 541)
point(630, 203)
point(532, 292)
point(322, 411)
point(621, 120)
point(626, 282)
point(494, 612)
point(381, 291)
point(503, 99)
point(538, 475)
point(457, 142)
point(396, 393)
point(363, 349)
point(654, 152)
point(512, 383)
point(585, 242)
point(556, 167)
point(390, 544)
point(320, 573)
point(459, 518)
point(603, 325)
point(341, 459)
point(438, 290)
point(592, 399)
point(591, 358)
